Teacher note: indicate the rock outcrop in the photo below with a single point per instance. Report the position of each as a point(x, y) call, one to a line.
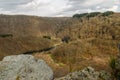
point(24, 67)
point(87, 74)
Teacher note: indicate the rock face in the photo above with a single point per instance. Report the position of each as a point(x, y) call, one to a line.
point(87, 74)
point(24, 67)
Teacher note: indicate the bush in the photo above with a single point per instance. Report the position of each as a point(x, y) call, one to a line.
point(80, 15)
point(112, 63)
point(93, 14)
point(107, 13)
point(113, 67)
point(115, 72)
point(6, 35)
point(76, 16)
point(47, 37)
point(66, 39)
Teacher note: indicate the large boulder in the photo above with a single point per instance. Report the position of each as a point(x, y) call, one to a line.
point(87, 74)
point(24, 67)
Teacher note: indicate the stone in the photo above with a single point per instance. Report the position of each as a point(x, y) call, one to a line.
point(86, 74)
point(24, 67)
point(104, 75)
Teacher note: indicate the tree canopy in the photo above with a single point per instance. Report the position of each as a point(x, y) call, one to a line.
point(93, 14)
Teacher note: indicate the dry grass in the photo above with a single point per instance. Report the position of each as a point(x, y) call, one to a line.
point(59, 69)
point(92, 41)
point(12, 46)
point(80, 54)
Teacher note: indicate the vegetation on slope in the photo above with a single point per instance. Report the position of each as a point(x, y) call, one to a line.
point(86, 42)
point(12, 46)
point(93, 14)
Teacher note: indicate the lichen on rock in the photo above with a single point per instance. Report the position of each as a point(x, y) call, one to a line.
point(24, 67)
point(87, 74)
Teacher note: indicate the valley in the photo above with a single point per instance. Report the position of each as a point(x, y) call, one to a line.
point(67, 44)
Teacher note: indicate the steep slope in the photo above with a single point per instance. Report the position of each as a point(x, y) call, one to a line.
point(107, 27)
point(21, 34)
point(21, 25)
point(90, 42)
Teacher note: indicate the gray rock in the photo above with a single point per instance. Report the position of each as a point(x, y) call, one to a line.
point(24, 67)
point(104, 75)
point(86, 74)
